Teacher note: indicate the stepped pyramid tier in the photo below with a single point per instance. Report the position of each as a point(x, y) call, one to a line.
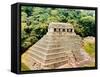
point(59, 48)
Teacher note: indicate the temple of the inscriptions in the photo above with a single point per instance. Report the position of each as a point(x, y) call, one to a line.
point(60, 47)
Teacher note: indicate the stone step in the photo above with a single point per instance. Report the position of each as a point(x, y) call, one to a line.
point(59, 39)
point(49, 49)
point(36, 49)
point(49, 45)
point(46, 50)
point(46, 62)
point(47, 56)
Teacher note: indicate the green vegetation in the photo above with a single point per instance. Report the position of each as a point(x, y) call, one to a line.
point(35, 21)
point(24, 67)
point(90, 48)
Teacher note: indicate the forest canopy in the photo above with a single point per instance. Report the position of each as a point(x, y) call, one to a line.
point(35, 21)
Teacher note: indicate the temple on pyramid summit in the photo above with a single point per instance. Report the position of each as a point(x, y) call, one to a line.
point(60, 47)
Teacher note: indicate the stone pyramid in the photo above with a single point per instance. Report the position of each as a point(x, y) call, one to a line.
point(59, 48)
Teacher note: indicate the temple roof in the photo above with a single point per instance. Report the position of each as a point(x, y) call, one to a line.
point(60, 25)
